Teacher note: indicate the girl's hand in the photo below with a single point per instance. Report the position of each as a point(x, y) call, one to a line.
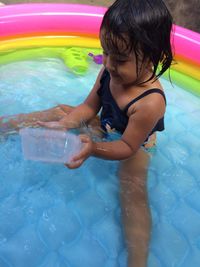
point(52, 125)
point(85, 152)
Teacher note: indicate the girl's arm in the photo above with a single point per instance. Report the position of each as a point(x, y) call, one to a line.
point(143, 116)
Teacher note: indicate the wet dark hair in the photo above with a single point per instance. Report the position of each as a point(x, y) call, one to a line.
point(143, 27)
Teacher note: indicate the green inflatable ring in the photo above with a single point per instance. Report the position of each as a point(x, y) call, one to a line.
point(190, 84)
point(75, 58)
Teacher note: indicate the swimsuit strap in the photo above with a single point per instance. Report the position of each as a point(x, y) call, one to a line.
point(150, 91)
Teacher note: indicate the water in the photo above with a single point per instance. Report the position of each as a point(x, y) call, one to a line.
point(51, 216)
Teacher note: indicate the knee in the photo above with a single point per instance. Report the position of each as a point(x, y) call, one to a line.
point(65, 108)
point(132, 180)
point(61, 106)
point(134, 188)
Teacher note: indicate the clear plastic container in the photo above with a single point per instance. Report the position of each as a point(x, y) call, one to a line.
point(42, 144)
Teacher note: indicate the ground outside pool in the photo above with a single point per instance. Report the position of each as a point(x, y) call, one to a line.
point(51, 216)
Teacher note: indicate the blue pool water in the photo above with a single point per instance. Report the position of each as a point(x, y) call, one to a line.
point(51, 216)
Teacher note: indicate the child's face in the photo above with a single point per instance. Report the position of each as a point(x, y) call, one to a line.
point(122, 66)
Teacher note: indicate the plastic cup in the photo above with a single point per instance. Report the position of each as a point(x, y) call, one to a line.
point(54, 146)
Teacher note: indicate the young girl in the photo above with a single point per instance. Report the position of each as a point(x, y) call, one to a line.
point(135, 37)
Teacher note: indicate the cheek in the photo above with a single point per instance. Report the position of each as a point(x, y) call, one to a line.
point(104, 60)
point(128, 71)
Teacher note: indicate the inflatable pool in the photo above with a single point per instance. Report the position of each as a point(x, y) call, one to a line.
point(52, 216)
point(33, 25)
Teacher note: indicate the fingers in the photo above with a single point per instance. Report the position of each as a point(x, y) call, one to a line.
point(84, 138)
point(51, 124)
point(85, 152)
point(46, 124)
point(86, 148)
point(74, 164)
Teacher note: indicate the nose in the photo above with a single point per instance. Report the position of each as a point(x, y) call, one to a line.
point(108, 63)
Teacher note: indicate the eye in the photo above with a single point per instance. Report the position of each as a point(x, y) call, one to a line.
point(121, 61)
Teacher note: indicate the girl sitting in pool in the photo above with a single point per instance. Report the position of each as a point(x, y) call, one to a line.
point(135, 37)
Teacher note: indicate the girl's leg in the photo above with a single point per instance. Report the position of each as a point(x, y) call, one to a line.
point(135, 210)
point(15, 122)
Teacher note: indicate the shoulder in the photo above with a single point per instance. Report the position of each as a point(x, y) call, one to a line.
point(103, 81)
point(97, 83)
point(101, 74)
point(151, 105)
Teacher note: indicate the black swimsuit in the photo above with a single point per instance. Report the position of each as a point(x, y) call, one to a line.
point(115, 117)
